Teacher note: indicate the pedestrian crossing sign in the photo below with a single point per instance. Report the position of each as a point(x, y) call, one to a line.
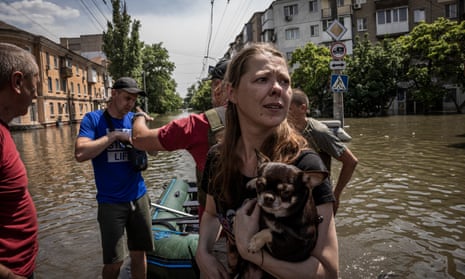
point(339, 83)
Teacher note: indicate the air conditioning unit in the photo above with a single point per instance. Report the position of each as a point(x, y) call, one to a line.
point(288, 18)
point(357, 6)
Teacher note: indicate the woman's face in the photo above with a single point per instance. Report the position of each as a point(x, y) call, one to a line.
point(263, 94)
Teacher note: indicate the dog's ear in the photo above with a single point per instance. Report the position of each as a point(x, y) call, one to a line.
point(252, 184)
point(314, 178)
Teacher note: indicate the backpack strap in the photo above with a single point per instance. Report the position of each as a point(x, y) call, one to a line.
point(108, 119)
point(215, 117)
point(216, 120)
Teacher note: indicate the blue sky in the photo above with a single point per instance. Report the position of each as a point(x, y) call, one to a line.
point(181, 25)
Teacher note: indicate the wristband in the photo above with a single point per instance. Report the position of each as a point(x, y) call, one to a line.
point(139, 113)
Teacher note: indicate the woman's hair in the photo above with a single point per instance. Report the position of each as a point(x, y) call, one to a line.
point(283, 145)
point(14, 58)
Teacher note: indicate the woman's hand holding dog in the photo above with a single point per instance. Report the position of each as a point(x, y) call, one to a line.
point(245, 227)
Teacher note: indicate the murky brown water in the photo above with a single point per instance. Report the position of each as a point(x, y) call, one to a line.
point(403, 216)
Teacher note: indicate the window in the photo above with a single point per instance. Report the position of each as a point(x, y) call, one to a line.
point(60, 108)
point(63, 85)
point(52, 110)
point(402, 14)
point(362, 24)
point(79, 89)
point(314, 30)
point(57, 85)
point(340, 3)
point(326, 23)
point(381, 17)
point(292, 34)
point(290, 10)
point(451, 11)
point(418, 15)
point(313, 6)
point(50, 86)
point(388, 16)
point(55, 61)
point(72, 88)
point(392, 15)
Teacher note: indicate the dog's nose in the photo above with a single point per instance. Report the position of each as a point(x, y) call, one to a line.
point(268, 198)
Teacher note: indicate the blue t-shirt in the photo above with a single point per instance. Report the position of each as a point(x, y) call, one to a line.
point(116, 181)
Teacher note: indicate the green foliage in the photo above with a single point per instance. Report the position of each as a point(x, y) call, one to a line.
point(311, 73)
point(436, 55)
point(148, 64)
point(201, 98)
point(374, 72)
point(121, 43)
point(160, 86)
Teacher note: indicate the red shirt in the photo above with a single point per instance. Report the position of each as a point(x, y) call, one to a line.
point(190, 133)
point(18, 216)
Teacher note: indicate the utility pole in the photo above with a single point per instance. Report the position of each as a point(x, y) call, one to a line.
point(146, 99)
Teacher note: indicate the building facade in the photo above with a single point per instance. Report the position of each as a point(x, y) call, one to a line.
point(70, 84)
point(291, 24)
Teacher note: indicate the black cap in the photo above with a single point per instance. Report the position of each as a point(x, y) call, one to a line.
point(219, 70)
point(129, 85)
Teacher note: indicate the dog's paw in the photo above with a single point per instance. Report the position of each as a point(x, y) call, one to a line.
point(256, 243)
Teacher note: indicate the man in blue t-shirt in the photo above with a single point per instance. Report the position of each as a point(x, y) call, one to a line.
point(121, 192)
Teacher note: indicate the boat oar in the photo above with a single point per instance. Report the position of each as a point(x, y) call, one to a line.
point(171, 210)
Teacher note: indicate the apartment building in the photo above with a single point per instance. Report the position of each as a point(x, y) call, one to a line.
point(291, 24)
point(70, 84)
point(391, 18)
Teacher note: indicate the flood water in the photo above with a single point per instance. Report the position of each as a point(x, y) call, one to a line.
point(402, 216)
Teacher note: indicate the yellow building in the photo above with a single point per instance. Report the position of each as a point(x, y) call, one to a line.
point(70, 84)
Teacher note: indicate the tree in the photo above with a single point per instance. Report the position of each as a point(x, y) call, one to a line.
point(374, 72)
point(436, 55)
point(201, 100)
point(311, 73)
point(122, 45)
point(160, 86)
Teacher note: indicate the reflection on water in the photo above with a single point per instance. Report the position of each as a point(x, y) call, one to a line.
point(404, 213)
point(402, 216)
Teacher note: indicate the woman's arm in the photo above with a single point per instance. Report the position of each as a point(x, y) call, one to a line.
point(209, 266)
point(323, 262)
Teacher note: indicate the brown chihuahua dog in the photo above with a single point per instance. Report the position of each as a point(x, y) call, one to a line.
point(288, 218)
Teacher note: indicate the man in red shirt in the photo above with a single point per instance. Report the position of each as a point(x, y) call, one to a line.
point(190, 133)
point(19, 75)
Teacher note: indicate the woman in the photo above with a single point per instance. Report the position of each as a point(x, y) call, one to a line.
point(259, 92)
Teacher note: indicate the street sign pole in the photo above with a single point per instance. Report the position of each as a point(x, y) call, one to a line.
point(338, 50)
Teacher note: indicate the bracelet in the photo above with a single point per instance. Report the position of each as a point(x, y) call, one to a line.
point(139, 113)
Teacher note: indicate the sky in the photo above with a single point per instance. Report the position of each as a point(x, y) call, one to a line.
point(182, 26)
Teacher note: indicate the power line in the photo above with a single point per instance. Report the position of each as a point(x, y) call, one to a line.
point(92, 14)
point(33, 21)
point(98, 9)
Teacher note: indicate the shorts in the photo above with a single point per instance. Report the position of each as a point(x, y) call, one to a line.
point(115, 218)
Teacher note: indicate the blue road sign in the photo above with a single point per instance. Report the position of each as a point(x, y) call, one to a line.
point(339, 83)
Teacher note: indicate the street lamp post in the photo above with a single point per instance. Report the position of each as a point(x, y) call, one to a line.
point(146, 99)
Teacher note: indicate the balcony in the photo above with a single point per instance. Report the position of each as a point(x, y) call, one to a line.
point(66, 72)
point(91, 75)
